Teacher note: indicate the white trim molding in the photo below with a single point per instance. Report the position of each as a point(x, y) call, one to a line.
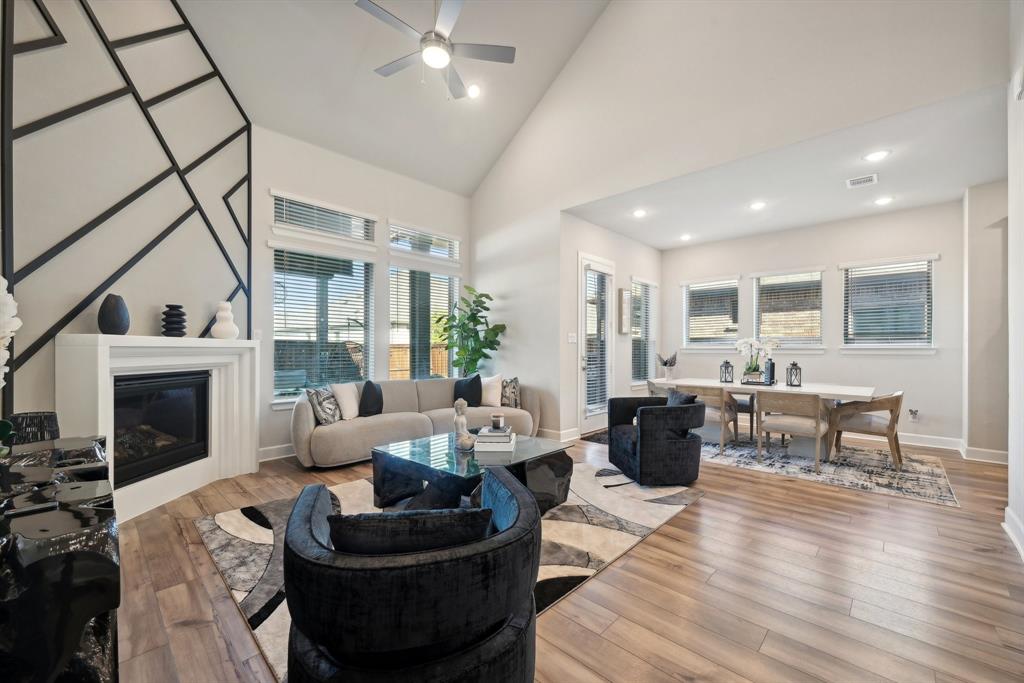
point(563, 435)
point(886, 350)
point(789, 271)
point(324, 205)
point(1014, 528)
point(984, 454)
point(285, 450)
point(708, 280)
point(889, 260)
point(312, 242)
point(928, 440)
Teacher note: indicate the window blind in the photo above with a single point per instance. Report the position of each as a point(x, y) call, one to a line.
point(596, 341)
point(788, 308)
point(323, 321)
point(712, 312)
point(424, 243)
point(311, 217)
point(642, 330)
point(888, 304)
point(417, 299)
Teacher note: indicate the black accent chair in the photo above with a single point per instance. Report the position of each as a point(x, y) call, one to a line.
point(659, 450)
point(463, 613)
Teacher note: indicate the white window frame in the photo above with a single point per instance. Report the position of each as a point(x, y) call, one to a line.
point(435, 261)
point(783, 345)
point(697, 347)
point(653, 341)
point(333, 244)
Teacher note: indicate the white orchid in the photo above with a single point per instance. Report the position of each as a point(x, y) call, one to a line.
point(755, 349)
point(9, 324)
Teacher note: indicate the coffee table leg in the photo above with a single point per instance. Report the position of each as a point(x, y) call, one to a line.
point(548, 477)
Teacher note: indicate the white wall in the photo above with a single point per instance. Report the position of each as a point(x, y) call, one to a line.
point(708, 83)
point(932, 381)
point(629, 259)
point(1014, 524)
point(986, 351)
point(289, 165)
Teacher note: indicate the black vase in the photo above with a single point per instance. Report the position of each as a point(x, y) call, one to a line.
point(113, 316)
point(174, 321)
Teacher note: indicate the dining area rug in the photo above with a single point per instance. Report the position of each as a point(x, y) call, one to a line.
point(865, 469)
point(604, 515)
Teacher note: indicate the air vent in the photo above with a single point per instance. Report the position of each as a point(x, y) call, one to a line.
point(862, 181)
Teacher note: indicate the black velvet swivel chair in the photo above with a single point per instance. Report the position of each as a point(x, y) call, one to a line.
point(659, 450)
point(462, 613)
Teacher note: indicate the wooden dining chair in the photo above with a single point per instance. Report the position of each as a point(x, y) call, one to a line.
point(793, 414)
point(879, 417)
point(721, 406)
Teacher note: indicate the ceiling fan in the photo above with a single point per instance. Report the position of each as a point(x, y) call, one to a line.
point(436, 50)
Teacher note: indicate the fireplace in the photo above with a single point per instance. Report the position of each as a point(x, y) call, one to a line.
point(161, 422)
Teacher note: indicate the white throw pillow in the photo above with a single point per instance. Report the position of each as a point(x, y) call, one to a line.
point(490, 394)
point(347, 396)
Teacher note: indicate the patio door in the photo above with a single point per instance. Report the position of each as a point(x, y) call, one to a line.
point(596, 287)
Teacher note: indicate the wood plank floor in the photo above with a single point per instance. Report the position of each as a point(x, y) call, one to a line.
point(765, 578)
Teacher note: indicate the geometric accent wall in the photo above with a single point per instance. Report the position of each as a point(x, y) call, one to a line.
point(125, 168)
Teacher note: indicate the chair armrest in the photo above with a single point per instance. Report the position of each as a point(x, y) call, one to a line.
point(303, 424)
point(621, 411)
point(659, 423)
point(529, 400)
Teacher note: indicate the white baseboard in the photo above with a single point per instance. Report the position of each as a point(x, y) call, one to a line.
point(285, 450)
point(563, 435)
point(1014, 528)
point(984, 455)
point(928, 440)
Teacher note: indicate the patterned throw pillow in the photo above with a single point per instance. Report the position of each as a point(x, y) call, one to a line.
point(510, 395)
point(325, 406)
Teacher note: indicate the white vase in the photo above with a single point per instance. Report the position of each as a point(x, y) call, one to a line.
point(225, 327)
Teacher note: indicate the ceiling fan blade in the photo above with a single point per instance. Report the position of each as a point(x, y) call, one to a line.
point(455, 85)
point(488, 53)
point(447, 16)
point(399, 64)
point(389, 18)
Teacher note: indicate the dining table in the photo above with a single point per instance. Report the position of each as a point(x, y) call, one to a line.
point(798, 445)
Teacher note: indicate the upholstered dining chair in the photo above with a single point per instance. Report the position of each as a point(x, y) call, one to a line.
point(879, 417)
point(655, 389)
point(793, 414)
point(721, 406)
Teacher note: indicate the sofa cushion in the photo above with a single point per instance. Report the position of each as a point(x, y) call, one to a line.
point(511, 395)
point(400, 396)
point(490, 391)
point(679, 398)
point(347, 396)
point(407, 531)
point(435, 393)
point(325, 406)
point(519, 420)
point(469, 389)
point(371, 400)
point(348, 440)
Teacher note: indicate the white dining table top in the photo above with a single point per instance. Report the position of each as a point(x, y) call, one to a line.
point(835, 392)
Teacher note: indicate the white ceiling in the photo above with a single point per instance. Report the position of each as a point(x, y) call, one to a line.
point(305, 68)
point(937, 152)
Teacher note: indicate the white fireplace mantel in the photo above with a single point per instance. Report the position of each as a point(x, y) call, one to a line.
point(86, 365)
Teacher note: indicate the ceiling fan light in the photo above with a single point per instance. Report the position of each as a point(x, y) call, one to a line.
point(435, 53)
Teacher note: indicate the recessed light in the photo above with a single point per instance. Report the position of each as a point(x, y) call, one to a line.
point(882, 201)
point(758, 205)
point(685, 238)
point(876, 156)
point(473, 91)
point(639, 213)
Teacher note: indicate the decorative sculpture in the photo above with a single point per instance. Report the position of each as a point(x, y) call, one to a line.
point(174, 320)
point(463, 439)
point(225, 327)
point(113, 315)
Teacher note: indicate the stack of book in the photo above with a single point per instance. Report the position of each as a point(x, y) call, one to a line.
point(500, 440)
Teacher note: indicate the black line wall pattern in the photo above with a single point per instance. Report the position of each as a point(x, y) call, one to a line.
point(126, 166)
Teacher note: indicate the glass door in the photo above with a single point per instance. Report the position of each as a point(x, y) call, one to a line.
point(595, 347)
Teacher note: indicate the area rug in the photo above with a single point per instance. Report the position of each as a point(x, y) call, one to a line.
point(866, 469)
point(605, 515)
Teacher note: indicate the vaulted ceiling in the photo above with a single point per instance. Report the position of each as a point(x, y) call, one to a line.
point(305, 68)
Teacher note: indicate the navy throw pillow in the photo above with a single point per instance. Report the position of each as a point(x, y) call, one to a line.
point(407, 531)
point(372, 400)
point(470, 389)
point(678, 398)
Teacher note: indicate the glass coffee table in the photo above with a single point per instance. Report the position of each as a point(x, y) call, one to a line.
point(435, 474)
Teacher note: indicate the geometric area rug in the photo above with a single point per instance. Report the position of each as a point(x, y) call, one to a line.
point(604, 516)
point(922, 478)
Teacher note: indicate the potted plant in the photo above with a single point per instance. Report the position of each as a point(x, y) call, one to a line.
point(755, 350)
point(467, 330)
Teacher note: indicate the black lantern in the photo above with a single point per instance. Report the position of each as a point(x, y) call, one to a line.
point(725, 372)
point(793, 375)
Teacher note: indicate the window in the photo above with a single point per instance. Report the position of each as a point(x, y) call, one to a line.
point(417, 299)
point(888, 304)
point(323, 321)
point(641, 329)
point(424, 243)
point(788, 308)
point(299, 214)
point(711, 312)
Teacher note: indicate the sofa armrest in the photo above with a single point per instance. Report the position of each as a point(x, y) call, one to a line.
point(622, 410)
point(303, 424)
point(530, 402)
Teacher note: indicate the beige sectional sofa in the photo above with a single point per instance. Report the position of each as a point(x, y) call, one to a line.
point(412, 409)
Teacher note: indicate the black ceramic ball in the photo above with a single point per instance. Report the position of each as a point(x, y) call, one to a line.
point(113, 315)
